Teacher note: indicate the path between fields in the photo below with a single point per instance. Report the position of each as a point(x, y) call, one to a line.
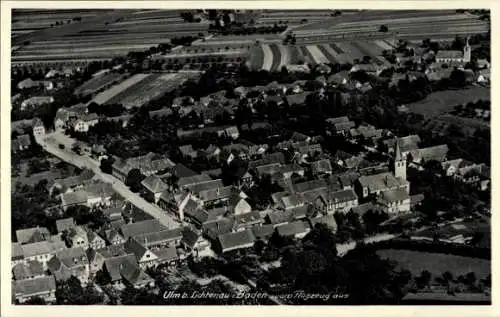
point(268, 57)
point(51, 145)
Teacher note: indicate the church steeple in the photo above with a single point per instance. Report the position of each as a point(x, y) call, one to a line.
point(397, 150)
point(399, 164)
point(467, 51)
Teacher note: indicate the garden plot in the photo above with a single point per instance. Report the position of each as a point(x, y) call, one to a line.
point(296, 55)
point(317, 55)
point(350, 50)
point(150, 88)
point(276, 57)
point(106, 95)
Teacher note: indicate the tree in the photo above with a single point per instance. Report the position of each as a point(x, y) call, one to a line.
point(107, 165)
point(259, 246)
point(102, 278)
point(323, 239)
point(71, 292)
point(134, 179)
point(447, 277)
point(383, 28)
point(470, 279)
point(425, 278)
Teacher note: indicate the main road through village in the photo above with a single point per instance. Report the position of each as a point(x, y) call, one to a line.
point(51, 144)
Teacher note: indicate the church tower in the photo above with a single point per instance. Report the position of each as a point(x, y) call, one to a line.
point(399, 163)
point(467, 51)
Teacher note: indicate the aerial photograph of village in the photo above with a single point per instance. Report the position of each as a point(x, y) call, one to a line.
point(250, 157)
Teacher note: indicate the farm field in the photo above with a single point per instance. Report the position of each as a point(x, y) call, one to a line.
point(278, 55)
point(149, 88)
point(437, 264)
point(408, 25)
point(99, 82)
point(100, 34)
point(106, 95)
point(441, 102)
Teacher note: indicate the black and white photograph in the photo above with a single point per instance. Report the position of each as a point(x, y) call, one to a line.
point(238, 156)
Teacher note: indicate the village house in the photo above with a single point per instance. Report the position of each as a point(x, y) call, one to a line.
point(339, 125)
point(330, 202)
point(148, 164)
point(16, 255)
point(112, 236)
point(297, 99)
point(29, 83)
point(94, 240)
point(423, 155)
point(394, 201)
point(65, 224)
point(20, 143)
point(36, 101)
point(154, 187)
point(141, 227)
point(70, 262)
point(476, 174)
point(43, 287)
point(72, 183)
point(484, 76)
point(135, 276)
point(91, 195)
point(375, 184)
point(66, 115)
point(263, 232)
point(28, 270)
point(234, 241)
point(451, 167)
point(97, 257)
point(406, 144)
point(193, 242)
point(113, 266)
point(160, 239)
point(246, 220)
point(77, 237)
point(84, 122)
point(327, 220)
point(32, 235)
point(38, 129)
point(296, 229)
point(321, 167)
point(365, 133)
point(42, 251)
point(290, 201)
point(340, 78)
point(144, 256)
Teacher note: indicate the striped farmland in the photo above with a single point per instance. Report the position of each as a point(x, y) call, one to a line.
point(368, 49)
point(276, 57)
point(267, 62)
point(317, 54)
point(296, 55)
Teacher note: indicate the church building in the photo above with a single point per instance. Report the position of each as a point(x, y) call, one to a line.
point(455, 56)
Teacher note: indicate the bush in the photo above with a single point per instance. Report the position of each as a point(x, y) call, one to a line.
point(384, 28)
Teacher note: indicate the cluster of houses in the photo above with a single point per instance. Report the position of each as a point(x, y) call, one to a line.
point(39, 91)
point(121, 251)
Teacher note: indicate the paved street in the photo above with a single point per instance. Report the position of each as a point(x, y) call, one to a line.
point(51, 145)
point(342, 249)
